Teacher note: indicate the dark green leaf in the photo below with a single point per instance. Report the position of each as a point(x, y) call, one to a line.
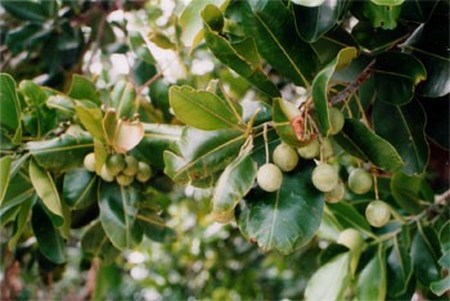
point(272, 25)
point(11, 111)
point(425, 255)
point(80, 188)
point(140, 48)
point(21, 221)
point(444, 237)
point(154, 226)
point(406, 134)
point(437, 126)
point(388, 2)
point(360, 141)
point(50, 242)
point(286, 219)
point(84, 89)
point(26, 37)
point(347, 215)
point(383, 16)
point(5, 175)
point(418, 10)
point(372, 280)
point(406, 191)
point(96, 243)
point(26, 10)
point(377, 40)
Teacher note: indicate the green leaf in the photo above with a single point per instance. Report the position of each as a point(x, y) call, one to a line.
point(396, 75)
point(418, 10)
point(154, 226)
point(21, 221)
point(430, 45)
point(5, 175)
point(26, 37)
point(118, 209)
point(62, 153)
point(359, 141)
point(437, 128)
point(320, 87)
point(26, 10)
point(406, 191)
point(314, 22)
point(11, 111)
point(83, 89)
point(309, 3)
point(444, 237)
point(91, 119)
point(124, 100)
point(286, 219)
point(425, 255)
point(80, 188)
point(440, 287)
point(377, 40)
point(61, 103)
point(330, 280)
point(201, 154)
point(372, 280)
point(96, 243)
point(241, 56)
point(234, 183)
point(384, 16)
point(388, 2)
point(282, 124)
point(407, 134)
point(347, 215)
point(272, 26)
point(399, 264)
point(203, 109)
point(140, 48)
point(50, 242)
point(46, 189)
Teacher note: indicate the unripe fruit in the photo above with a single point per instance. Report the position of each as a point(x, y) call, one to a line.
point(89, 162)
point(351, 239)
point(327, 148)
point(131, 166)
point(378, 213)
point(325, 177)
point(115, 164)
point(336, 120)
point(269, 177)
point(124, 180)
point(336, 194)
point(360, 181)
point(144, 172)
point(285, 157)
point(310, 150)
point(106, 175)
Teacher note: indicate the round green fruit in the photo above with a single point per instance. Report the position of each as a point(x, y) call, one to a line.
point(360, 181)
point(310, 150)
point(124, 180)
point(144, 172)
point(336, 120)
point(327, 148)
point(269, 177)
point(378, 213)
point(106, 175)
point(89, 162)
point(351, 239)
point(115, 164)
point(325, 177)
point(131, 166)
point(285, 157)
point(336, 194)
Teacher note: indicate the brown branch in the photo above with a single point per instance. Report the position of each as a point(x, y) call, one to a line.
point(149, 82)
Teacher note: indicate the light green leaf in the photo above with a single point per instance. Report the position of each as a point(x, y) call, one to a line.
point(80, 188)
point(124, 100)
point(61, 103)
point(140, 48)
point(383, 16)
point(203, 109)
point(282, 123)
point(286, 219)
point(441, 286)
point(5, 175)
point(372, 280)
point(91, 119)
point(83, 89)
point(388, 2)
point(10, 113)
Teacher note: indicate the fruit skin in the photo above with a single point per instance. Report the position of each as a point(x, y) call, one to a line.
point(327, 148)
point(269, 177)
point(360, 181)
point(310, 150)
point(351, 238)
point(285, 157)
point(89, 162)
point(378, 213)
point(325, 177)
point(144, 172)
point(336, 194)
point(131, 166)
point(124, 180)
point(336, 120)
point(106, 175)
point(115, 164)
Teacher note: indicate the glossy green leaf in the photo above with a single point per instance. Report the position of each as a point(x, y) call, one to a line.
point(46, 189)
point(282, 124)
point(396, 75)
point(140, 48)
point(154, 226)
point(372, 280)
point(124, 100)
point(96, 243)
point(360, 141)
point(83, 88)
point(101, 154)
point(201, 154)
point(406, 191)
point(26, 10)
point(118, 209)
point(330, 280)
point(347, 216)
point(406, 134)
point(5, 175)
point(50, 242)
point(234, 183)
point(240, 56)
point(80, 188)
point(399, 264)
point(11, 112)
point(62, 153)
point(384, 16)
point(437, 128)
point(442, 286)
point(61, 103)
point(286, 219)
point(388, 2)
point(202, 109)
point(314, 22)
point(377, 40)
point(425, 254)
point(91, 119)
point(320, 87)
point(21, 221)
point(272, 26)
point(430, 45)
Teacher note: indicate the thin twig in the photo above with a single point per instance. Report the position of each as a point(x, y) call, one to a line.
point(149, 82)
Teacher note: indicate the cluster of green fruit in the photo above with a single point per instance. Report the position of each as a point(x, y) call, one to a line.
point(123, 169)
